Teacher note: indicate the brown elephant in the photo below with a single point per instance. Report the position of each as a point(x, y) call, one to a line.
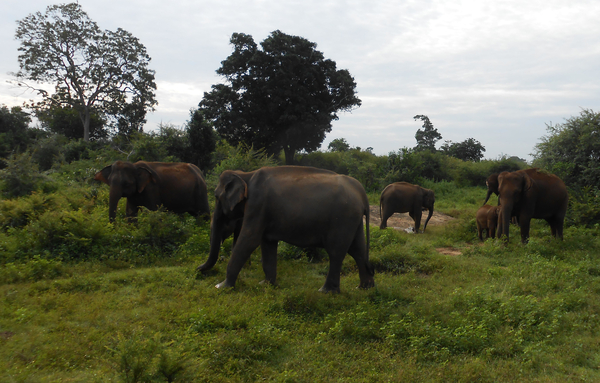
point(179, 187)
point(492, 184)
point(402, 197)
point(529, 194)
point(487, 219)
point(303, 206)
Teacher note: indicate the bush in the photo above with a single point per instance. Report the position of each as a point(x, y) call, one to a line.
point(21, 176)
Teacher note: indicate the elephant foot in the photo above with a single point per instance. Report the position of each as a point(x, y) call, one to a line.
point(268, 282)
point(367, 284)
point(203, 267)
point(326, 290)
point(224, 285)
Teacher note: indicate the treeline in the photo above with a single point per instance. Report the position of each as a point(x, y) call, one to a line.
point(32, 155)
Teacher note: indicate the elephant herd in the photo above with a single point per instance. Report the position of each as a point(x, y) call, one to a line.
point(523, 195)
point(308, 207)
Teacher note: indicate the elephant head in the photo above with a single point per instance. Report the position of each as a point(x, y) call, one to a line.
point(428, 202)
point(512, 187)
point(230, 194)
point(492, 186)
point(125, 180)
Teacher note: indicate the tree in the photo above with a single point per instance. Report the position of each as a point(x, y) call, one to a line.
point(427, 137)
point(66, 121)
point(572, 150)
point(468, 150)
point(93, 71)
point(338, 145)
point(281, 97)
point(202, 140)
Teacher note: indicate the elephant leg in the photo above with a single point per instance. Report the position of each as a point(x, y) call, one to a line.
point(524, 224)
point(556, 226)
point(417, 218)
point(246, 244)
point(358, 251)
point(336, 257)
point(480, 232)
point(387, 213)
point(269, 261)
point(131, 211)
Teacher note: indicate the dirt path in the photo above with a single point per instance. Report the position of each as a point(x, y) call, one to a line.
point(402, 221)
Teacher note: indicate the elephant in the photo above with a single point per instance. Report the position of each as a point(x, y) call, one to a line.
point(402, 197)
point(303, 206)
point(179, 187)
point(487, 219)
point(529, 194)
point(492, 185)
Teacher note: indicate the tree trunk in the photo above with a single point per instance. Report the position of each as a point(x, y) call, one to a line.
point(289, 155)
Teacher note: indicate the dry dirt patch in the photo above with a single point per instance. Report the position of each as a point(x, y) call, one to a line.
point(402, 221)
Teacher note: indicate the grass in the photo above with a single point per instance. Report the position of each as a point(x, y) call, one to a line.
point(127, 305)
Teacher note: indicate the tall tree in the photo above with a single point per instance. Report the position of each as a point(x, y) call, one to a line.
point(281, 97)
point(428, 136)
point(93, 71)
point(467, 150)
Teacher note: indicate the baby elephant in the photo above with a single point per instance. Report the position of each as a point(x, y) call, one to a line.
point(487, 219)
point(402, 197)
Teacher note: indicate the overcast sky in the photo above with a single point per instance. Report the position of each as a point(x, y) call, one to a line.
point(497, 71)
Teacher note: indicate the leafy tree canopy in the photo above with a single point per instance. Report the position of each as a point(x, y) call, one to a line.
point(66, 121)
point(468, 150)
point(572, 150)
point(338, 145)
point(93, 71)
point(281, 97)
point(428, 136)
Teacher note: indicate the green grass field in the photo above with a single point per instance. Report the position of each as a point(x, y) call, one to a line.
point(83, 300)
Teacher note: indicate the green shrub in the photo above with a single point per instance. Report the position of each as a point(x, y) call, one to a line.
point(21, 176)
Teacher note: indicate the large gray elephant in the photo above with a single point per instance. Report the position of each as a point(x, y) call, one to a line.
point(402, 197)
point(179, 187)
point(529, 194)
point(303, 206)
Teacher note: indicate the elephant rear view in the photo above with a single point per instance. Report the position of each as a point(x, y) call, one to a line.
point(402, 197)
point(303, 206)
point(177, 186)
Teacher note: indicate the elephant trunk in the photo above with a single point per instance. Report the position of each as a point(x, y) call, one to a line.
point(113, 202)
point(428, 218)
point(504, 217)
point(487, 197)
point(216, 237)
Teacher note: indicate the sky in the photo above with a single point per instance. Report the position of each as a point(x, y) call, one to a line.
point(497, 71)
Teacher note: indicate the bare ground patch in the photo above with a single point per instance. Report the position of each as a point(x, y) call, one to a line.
point(402, 221)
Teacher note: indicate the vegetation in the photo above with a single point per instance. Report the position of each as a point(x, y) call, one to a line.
point(493, 312)
point(93, 71)
point(281, 97)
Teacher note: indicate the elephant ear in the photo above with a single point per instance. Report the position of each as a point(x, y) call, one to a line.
point(235, 191)
point(144, 175)
point(527, 182)
point(103, 174)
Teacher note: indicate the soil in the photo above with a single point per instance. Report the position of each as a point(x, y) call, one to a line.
point(402, 221)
